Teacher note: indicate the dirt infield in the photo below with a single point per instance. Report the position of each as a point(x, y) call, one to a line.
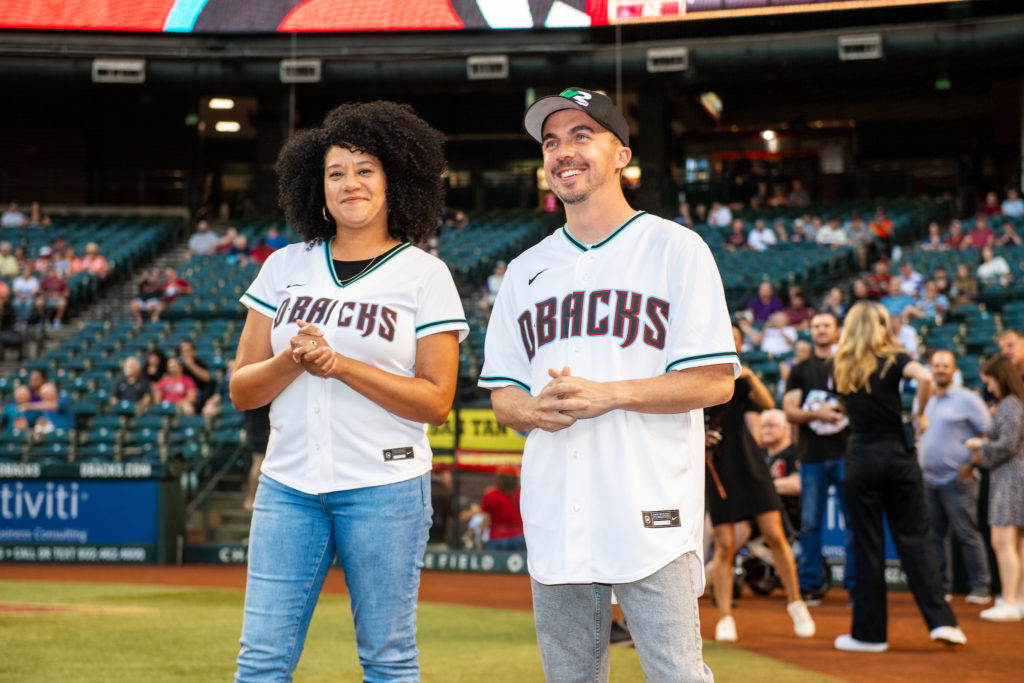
point(994, 651)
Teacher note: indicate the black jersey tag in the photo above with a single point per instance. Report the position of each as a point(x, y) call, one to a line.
point(403, 453)
point(655, 519)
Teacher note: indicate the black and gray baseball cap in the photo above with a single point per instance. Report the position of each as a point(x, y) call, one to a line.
point(596, 105)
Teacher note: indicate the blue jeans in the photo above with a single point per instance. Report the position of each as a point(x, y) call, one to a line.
point(507, 543)
point(956, 503)
point(815, 478)
point(379, 533)
point(574, 621)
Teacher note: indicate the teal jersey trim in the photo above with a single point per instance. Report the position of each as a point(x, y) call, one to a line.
point(503, 380)
point(582, 247)
point(261, 302)
point(449, 321)
point(690, 359)
point(334, 276)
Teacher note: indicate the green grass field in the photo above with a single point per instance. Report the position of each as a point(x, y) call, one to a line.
point(156, 633)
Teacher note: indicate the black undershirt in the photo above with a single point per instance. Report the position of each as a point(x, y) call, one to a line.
point(343, 270)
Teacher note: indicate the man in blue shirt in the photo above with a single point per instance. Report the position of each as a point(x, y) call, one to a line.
point(954, 415)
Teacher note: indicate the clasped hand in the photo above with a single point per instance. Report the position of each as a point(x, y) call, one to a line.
point(566, 399)
point(311, 351)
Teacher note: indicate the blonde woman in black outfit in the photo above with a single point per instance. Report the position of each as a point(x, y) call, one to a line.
point(883, 478)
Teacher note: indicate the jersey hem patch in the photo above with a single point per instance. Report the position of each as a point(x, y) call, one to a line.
point(261, 302)
point(483, 381)
point(706, 356)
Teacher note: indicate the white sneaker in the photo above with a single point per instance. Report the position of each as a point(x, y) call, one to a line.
point(803, 624)
point(1020, 608)
point(1002, 611)
point(725, 630)
point(850, 644)
point(950, 635)
point(978, 598)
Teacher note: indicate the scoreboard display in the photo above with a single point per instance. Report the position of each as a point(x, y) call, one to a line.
point(288, 16)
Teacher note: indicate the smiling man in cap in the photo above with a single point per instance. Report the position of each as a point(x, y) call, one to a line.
point(606, 341)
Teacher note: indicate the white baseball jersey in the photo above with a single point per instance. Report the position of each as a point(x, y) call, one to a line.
point(324, 436)
point(615, 498)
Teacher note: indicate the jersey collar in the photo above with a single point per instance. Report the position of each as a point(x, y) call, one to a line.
point(334, 276)
point(582, 247)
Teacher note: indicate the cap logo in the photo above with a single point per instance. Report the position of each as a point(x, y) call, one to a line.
point(580, 98)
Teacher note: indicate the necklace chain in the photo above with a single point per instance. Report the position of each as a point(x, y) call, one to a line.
point(365, 268)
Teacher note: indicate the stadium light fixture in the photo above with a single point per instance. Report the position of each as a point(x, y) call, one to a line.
point(221, 103)
point(768, 135)
point(227, 126)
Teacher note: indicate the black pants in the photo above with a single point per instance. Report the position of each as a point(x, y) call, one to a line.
point(882, 477)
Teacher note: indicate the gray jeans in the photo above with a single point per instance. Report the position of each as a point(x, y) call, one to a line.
point(956, 504)
point(574, 621)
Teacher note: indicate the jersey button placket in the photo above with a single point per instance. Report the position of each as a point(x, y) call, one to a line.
point(577, 523)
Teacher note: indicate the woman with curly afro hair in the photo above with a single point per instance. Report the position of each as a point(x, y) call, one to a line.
point(352, 337)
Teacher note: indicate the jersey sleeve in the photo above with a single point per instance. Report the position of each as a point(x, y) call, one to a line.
point(439, 308)
point(505, 359)
point(700, 332)
point(261, 296)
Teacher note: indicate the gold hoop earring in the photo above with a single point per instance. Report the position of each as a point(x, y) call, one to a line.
point(324, 212)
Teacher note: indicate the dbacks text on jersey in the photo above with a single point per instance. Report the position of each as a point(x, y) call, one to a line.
point(595, 314)
point(365, 318)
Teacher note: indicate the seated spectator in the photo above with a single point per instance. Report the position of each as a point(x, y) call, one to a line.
point(1008, 237)
point(176, 388)
point(799, 234)
point(8, 264)
point(781, 236)
point(759, 199)
point(831, 234)
point(19, 413)
point(261, 252)
point(783, 463)
point(36, 380)
point(203, 240)
point(274, 239)
point(93, 261)
point(990, 207)
point(881, 226)
point(55, 291)
point(21, 256)
point(994, 270)
point(36, 217)
point(221, 395)
point(934, 241)
point(1012, 206)
point(798, 313)
point(764, 303)
point(683, 216)
point(156, 365)
point(5, 296)
point(980, 235)
point(737, 238)
point(931, 304)
point(64, 260)
point(500, 504)
point(941, 280)
point(956, 238)
point(53, 412)
point(700, 215)
point(25, 287)
point(133, 386)
point(239, 248)
point(905, 334)
point(811, 225)
point(778, 197)
point(911, 281)
point(148, 297)
point(760, 238)
point(174, 286)
point(878, 281)
point(861, 292)
point(226, 242)
point(965, 287)
point(720, 215)
point(801, 352)
point(13, 217)
point(196, 368)
point(45, 259)
point(834, 302)
point(777, 337)
point(896, 301)
point(494, 281)
point(858, 237)
point(798, 196)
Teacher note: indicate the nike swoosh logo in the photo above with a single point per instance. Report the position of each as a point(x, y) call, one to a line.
point(530, 281)
point(297, 284)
